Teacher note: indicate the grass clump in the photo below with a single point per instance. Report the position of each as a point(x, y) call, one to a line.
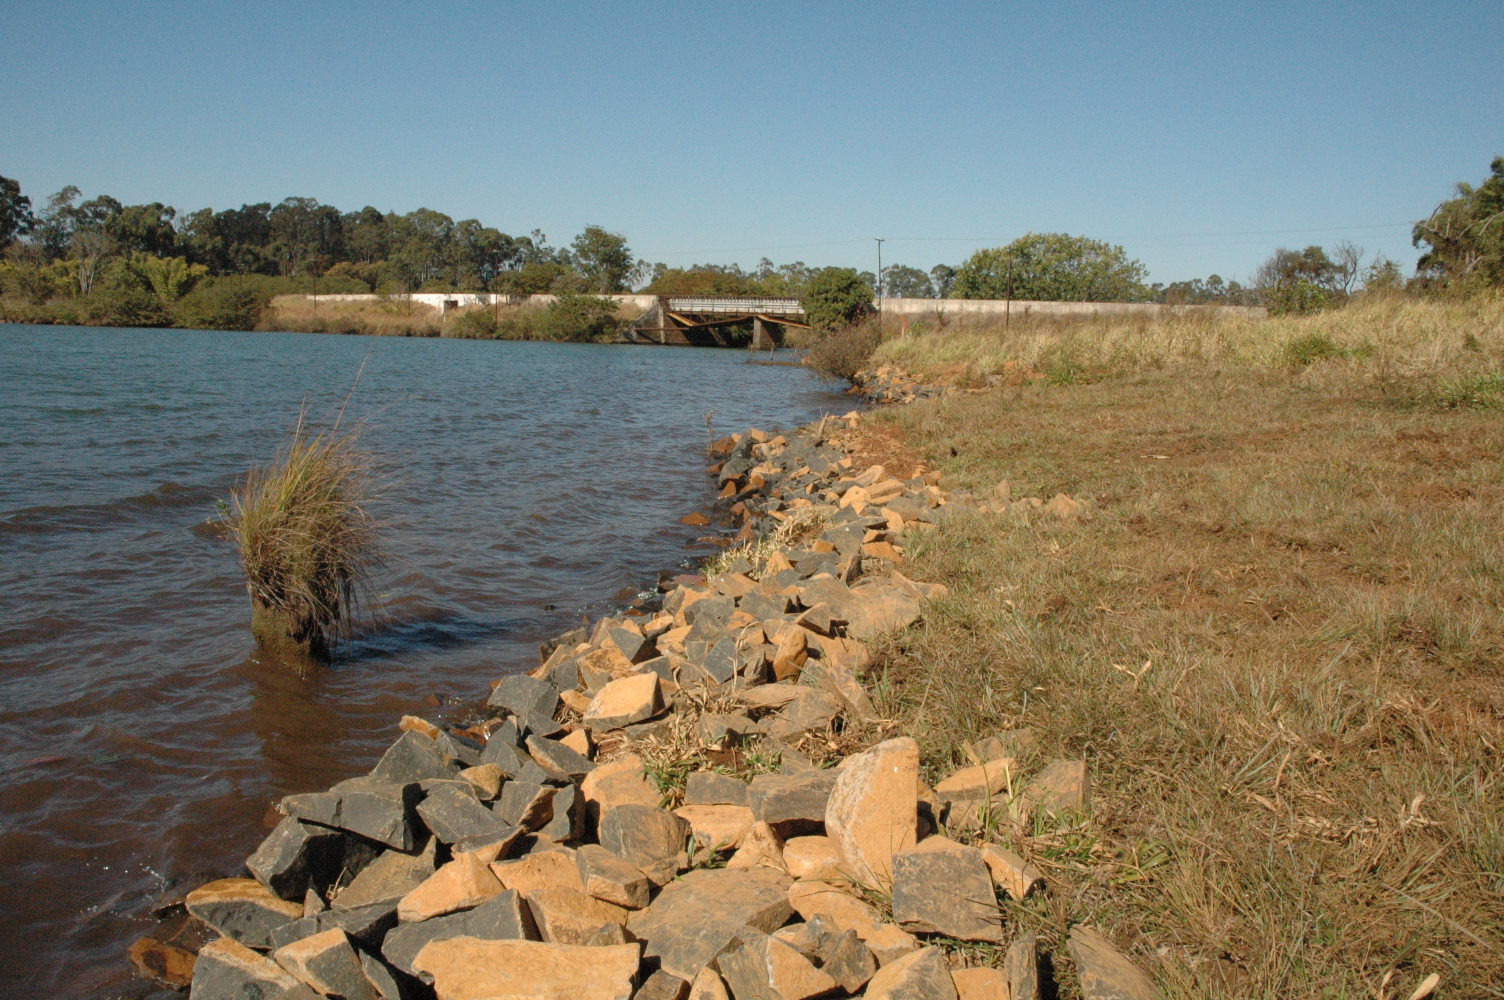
point(307, 540)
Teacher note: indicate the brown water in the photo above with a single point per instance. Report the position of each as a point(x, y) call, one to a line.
point(142, 738)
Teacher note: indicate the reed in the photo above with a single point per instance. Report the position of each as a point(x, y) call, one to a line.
point(307, 540)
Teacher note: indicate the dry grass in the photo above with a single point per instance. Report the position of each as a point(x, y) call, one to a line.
point(1278, 643)
point(305, 533)
point(1447, 350)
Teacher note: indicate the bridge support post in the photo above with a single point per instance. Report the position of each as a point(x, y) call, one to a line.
point(761, 339)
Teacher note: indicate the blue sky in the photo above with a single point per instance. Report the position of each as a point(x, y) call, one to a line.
point(1200, 136)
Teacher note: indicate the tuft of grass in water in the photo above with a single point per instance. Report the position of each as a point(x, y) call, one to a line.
point(306, 536)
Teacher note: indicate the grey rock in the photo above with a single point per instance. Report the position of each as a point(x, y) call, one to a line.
point(1021, 967)
point(554, 756)
point(454, 813)
point(709, 788)
point(227, 970)
point(524, 695)
point(387, 879)
point(242, 909)
point(792, 804)
point(525, 803)
point(946, 892)
point(504, 917)
point(379, 810)
point(459, 751)
point(295, 857)
point(365, 924)
point(762, 604)
point(696, 918)
point(329, 964)
point(652, 839)
point(413, 757)
point(919, 975)
point(567, 822)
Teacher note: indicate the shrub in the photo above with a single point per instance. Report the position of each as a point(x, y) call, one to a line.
point(836, 297)
point(840, 354)
point(478, 324)
point(306, 540)
point(235, 303)
point(571, 317)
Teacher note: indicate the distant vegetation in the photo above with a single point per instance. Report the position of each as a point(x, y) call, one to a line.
point(98, 261)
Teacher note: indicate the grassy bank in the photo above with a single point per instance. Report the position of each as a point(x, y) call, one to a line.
point(572, 317)
point(1399, 348)
point(1277, 639)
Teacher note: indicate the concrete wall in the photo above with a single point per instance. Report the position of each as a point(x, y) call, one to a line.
point(1021, 307)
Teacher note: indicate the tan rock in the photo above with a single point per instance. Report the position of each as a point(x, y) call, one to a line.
point(662, 986)
point(579, 741)
point(708, 986)
point(882, 550)
point(486, 779)
point(462, 883)
point(811, 898)
point(877, 607)
point(717, 827)
point(328, 963)
point(920, 975)
point(540, 870)
point(791, 653)
point(980, 781)
point(980, 984)
point(1065, 508)
point(938, 842)
point(873, 812)
point(765, 967)
point(467, 968)
point(162, 962)
point(1063, 786)
point(761, 847)
point(621, 782)
point(613, 879)
point(625, 701)
point(1013, 874)
point(768, 697)
point(576, 701)
point(812, 858)
point(413, 724)
point(569, 916)
point(1104, 972)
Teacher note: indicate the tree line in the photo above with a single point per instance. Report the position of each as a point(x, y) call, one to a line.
point(98, 260)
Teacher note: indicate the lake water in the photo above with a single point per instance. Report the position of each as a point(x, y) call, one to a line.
point(142, 737)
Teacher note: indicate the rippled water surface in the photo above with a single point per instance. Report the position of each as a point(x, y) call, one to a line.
point(142, 738)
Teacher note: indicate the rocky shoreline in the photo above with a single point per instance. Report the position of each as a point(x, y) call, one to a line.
point(701, 801)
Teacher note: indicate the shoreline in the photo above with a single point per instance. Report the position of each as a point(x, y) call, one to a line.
point(778, 648)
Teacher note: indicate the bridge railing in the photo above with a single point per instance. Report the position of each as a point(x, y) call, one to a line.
point(737, 306)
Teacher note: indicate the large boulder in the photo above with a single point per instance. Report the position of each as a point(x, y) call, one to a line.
point(697, 917)
point(466, 968)
point(242, 909)
point(873, 812)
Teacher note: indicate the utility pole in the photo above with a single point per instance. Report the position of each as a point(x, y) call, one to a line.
point(879, 266)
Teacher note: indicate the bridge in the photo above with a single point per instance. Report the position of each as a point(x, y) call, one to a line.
point(707, 320)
